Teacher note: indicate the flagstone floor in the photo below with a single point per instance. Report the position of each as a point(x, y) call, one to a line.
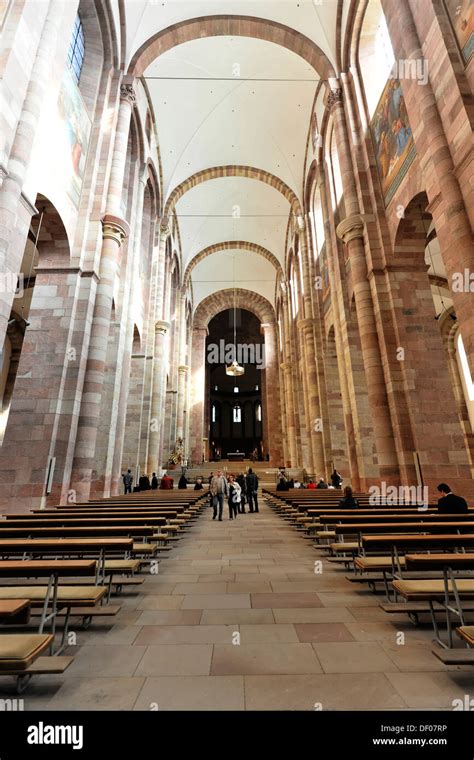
point(237, 619)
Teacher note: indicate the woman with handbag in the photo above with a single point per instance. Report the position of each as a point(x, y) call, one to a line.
point(234, 498)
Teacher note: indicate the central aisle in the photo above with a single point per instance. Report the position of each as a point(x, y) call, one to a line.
point(237, 619)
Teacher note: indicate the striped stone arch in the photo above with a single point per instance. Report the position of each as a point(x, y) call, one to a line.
point(241, 245)
point(224, 299)
point(232, 170)
point(230, 26)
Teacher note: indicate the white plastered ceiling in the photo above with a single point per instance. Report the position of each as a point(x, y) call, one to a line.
point(226, 101)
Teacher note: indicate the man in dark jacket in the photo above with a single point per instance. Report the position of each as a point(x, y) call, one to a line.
point(251, 487)
point(127, 481)
point(450, 503)
point(154, 481)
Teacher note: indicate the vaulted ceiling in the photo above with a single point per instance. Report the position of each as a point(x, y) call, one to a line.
point(232, 100)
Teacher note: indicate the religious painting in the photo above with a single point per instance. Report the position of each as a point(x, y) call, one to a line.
point(461, 13)
point(75, 136)
point(393, 138)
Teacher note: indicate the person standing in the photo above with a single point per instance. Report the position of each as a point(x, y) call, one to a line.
point(251, 484)
point(336, 479)
point(127, 481)
point(235, 492)
point(183, 481)
point(243, 492)
point(218, 490)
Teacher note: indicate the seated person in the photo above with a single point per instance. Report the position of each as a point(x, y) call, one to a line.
point(449, 502)
point(198, 486)
point(282, 485)
point(322, 483)
point(154, 481)
point(183, 483)
point(312, 485)
point(348, 501)
point(167, 482)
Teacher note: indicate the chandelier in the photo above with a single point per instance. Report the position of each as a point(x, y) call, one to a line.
point(235, 369)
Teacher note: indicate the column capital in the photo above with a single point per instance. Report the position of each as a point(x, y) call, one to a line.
point(165, 229)
point(305, 324)
point(182, 369)
point(161, 326)
point(350, 228)
point(127, 93)
point(334, 97)
point(114, 228)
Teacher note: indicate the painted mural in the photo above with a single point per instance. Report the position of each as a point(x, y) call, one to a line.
point(394, 146)
point(75, 133)
point(462, 19)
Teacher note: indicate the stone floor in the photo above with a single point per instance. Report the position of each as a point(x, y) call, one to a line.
point(237, 619)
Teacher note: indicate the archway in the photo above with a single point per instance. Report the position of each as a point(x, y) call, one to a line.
point(264, 312)
point(232, 26)
point(235, 425)
point(419, 308)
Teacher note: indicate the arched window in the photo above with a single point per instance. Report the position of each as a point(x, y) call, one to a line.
point(237, 414)
point(213, 413)
point(376, 57)
point(258, 413)
point(75, 56)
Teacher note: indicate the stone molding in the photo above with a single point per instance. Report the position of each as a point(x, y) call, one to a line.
point(114, 228)
point(162, 327)
point(351, 228)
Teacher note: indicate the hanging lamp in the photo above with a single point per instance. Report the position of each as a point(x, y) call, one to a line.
point(235, 369)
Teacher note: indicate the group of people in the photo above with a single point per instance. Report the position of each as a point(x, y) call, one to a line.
point(239, 491)
point(145, 484)
point(285, 483)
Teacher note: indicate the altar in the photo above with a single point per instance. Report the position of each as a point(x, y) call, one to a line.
point(236, 456)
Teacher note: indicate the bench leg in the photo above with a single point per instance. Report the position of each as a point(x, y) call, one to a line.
point(438, 638)
point(22, 682)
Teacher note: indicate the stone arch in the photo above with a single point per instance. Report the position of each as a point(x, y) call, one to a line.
point(226, 245)
point(232, 170)
point(224, 299)
point(412, 231)
point(230, 26)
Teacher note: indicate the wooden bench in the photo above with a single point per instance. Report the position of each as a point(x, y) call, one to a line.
point(66, 597)
point(20, 657)
point(14, 611)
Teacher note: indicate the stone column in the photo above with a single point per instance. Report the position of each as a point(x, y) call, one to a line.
point(351, 231)
point(306, 330)
point(122, 381)
point(354, 452)
point(157, 399)
point(275, 437)
point(182, 376)
point(12, 238)
point(198, 370)
point(114, 231)
point(288, 383)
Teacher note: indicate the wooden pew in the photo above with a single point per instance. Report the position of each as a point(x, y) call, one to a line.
point(20, 657)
